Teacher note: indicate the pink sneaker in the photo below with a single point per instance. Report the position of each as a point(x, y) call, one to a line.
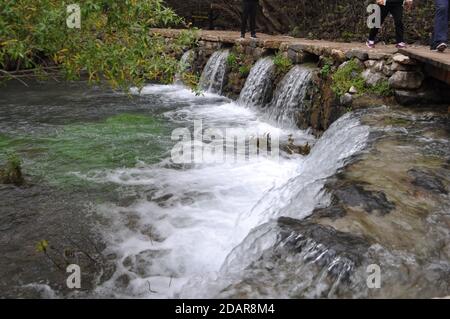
point(401, 45)
point(370, 44)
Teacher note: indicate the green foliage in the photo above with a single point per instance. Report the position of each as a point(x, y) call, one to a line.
point(282, 63)
point(347, 76)
point(192, 80)
point(113, 43)
point(382, 88)
point(350, 75)
point(244, 70)
point(232, 60)
point(326, 69)
point(239, 63)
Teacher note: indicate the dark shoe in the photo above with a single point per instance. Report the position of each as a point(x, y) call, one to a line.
point(253, 36)
point(441, 47)
point(242, 35)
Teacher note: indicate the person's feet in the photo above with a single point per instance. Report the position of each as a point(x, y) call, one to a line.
point(401, 45)
point(253, 36)
point(441, 47)
point(370, 44)
point(242, 35)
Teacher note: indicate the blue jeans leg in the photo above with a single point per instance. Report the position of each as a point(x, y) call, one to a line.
point(440, 33)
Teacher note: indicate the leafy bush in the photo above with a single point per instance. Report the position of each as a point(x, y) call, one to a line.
point(347, 76)
point(244, 70)
point(113, 43)
point(282, 63)
point(382, 89)
point(350, 75)
point(232, 60)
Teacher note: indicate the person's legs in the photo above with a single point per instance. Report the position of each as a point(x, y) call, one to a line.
point(245, 15)
point(253, 9)
point(374, 31)
point(440, 33)
point(397, 13)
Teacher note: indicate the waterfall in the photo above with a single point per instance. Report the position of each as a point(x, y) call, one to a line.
point(214, 73)
point(255, 261)
point(257, 87)
point(289, 96)
point(184, 65)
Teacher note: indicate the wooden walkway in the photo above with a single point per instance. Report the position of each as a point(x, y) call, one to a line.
point(436, 64)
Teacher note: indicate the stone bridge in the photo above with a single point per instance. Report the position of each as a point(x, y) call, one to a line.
point(435, 64)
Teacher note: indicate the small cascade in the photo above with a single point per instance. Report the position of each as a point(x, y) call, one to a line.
point(184, 65)
point(214, 73)
point(256, 91)
point(290, 96)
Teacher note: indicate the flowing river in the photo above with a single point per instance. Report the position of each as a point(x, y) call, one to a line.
point(101, 179)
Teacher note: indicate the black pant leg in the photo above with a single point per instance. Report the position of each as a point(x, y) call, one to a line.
point(374, 31)
point(253, 9)
point(397, 13)
point(245, 16)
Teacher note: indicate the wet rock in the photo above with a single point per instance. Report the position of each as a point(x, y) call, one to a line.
point(333, 211)
point(373, 55)
point(305, 260)
point(369, 63)
point(372, 78)
point(338, 55)
point(403, 59)
point(11, 174)
point(291, 148)
point(387, 70)
point(427, 181)
point(355, 195)
point(295, 57)
point(406, 80)
point(325, 235)
point(346, 99)
point(431, 92)
point(402, 67)
point(123, 281)
point(378, 67)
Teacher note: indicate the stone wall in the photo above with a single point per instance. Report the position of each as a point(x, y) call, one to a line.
point(388, 78)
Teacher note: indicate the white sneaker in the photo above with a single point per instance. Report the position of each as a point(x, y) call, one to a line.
point(370, 44)
point(441, 47)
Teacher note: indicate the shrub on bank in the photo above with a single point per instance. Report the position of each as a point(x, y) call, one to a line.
point(113, 43)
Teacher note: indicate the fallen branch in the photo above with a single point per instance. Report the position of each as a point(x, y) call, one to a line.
point(8, 74)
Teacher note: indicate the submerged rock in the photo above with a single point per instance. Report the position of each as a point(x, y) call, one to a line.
point(427, 181)
point(12, 173)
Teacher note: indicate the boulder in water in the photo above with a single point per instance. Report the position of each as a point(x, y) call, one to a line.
point(12, 173)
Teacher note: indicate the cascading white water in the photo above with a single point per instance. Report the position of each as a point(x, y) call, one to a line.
point(188, 228)
point(296, 197)
point(289, 96)
point(184, 65)
point(258, 84)
point(185, 222)
point(213, 75)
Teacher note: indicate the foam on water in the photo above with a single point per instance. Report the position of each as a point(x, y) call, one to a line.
point(186, 220)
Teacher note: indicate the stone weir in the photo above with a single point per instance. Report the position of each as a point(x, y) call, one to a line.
point(348, 75)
